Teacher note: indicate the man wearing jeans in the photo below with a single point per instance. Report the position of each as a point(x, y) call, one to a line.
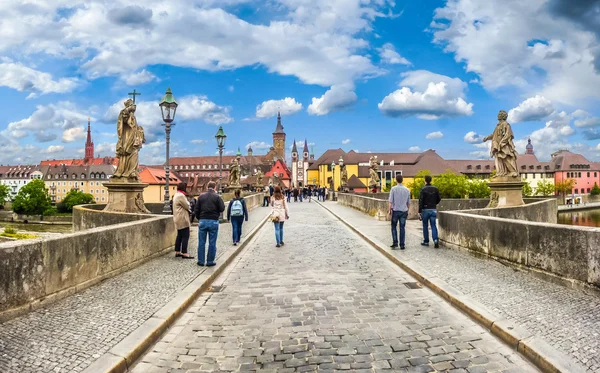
point(399, 204)
point(208, 209)
point(428, 201)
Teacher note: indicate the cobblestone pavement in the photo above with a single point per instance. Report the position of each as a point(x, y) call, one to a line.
point(325, 301)
point(70, 334)
point(566, 318)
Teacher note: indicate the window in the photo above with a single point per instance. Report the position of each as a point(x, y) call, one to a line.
point(533, 176)
point(92, 176)
point(579, 174)
point(203, 166)
point(103, 193)
point(102, 199)
point(588, 174)
point(210, 166)
point(102, 175)
point(64, 183)
point(398, 173)
point(589, 190)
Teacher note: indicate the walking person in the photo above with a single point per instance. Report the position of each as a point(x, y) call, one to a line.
point(266, 197)
point(399, 203)
point(279, 215)
point(309, 194)
point(428, 201)
point(208, 209)
point(236, 214)
point(181, 218)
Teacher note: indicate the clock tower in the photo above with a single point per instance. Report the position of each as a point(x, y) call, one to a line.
point(279, 139)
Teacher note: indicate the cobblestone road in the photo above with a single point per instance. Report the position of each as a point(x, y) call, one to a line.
point(70, 334)
point(566, 318)
point(325, 301)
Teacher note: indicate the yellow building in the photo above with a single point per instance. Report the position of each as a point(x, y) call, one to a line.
point(60, 180)
point(156, 180)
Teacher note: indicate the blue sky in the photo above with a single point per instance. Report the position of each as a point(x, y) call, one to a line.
point(369, 75)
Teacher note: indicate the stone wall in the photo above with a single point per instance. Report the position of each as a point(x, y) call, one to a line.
point(568, 251)
point(543, 211)
point(36, 272)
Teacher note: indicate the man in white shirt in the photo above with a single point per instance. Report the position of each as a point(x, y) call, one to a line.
point(399, 204)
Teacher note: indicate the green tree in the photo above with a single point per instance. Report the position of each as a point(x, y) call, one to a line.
point(418, 183)
point(527, 190)
point(73, 198)
point(32, 199)
point(595, 190)
point(479, 189)
point(452, 185)
point(565, 187)
point(544, 188)
point(4, 193)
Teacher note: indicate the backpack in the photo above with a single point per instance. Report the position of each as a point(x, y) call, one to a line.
point(237, 209)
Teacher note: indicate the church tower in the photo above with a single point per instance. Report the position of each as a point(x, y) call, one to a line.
point(295, 165)
point(529, 148)
point(89, 145)
point(279, 139)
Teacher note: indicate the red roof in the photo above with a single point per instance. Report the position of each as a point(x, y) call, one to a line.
point(280, 168)
point(81, 162)
point(156, 176)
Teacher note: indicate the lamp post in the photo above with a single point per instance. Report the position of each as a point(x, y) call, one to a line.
point(333, 180)
point(168, 107)
point(220, 136)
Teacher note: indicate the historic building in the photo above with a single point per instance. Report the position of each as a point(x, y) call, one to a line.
point(300, 166)
point(88, 158)
point(280, 174)
point(156, 179)
point(16, 177)
point(60, 180)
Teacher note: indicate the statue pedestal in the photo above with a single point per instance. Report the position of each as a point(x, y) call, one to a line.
point(232, 188)
point(506, 192)
point(126, 197)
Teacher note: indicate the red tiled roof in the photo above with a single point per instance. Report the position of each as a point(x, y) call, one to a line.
point(81, 162)
point(155, 176)
point(564, 160)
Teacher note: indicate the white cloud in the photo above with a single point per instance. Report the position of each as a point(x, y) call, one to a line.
point(22, 78)
point(414, 149)
point(473, 138)
point(346, 141)
point(434, 135)
point(191, 107)
point(258, 145)
point(270, 108)
point(531, 110)
point(337, 98)
point(73, 134)
point(388, 54)
point(198, 141)
point(46, 120)
point(553, 136)
point(139, 78)
point(434, 96)
point(106, 149)
point(521, 43)
point(54, 149)
point(588, 121)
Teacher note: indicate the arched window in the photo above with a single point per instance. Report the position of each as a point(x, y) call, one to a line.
point(74, 176)
point(103, 175)
point(83, 176)
point(576, 191)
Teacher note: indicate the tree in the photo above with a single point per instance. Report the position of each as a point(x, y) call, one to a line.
point(544, 188)
point(452, 185)
point(418, 183)
point(32, 199)
point(479, 189)
point(595, 190)
point(73, 198)
point(4, 193)
point(565, 187)
point(527, 190)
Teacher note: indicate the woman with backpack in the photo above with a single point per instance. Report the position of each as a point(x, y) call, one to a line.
point(236, 214)
point(279, 214)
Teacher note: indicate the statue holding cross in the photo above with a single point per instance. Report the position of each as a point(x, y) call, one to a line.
point(133, 94)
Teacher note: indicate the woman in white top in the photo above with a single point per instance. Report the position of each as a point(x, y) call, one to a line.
point(279, 215)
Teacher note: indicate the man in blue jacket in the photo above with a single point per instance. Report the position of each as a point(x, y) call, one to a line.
point(428, 201)
point(208, 209)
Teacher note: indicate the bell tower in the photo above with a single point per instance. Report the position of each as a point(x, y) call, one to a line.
point(279, 139)
point(89, 145)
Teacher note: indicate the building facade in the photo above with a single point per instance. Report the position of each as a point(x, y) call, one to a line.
point(60, 180)
point(156, 180)
point(300, 166)
point(16, 177)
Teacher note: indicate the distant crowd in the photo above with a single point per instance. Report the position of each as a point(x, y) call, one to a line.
point(298, 194)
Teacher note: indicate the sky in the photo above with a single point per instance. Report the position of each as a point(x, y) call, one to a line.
point(368, 75)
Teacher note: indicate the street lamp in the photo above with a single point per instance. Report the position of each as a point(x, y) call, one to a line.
point(220, 136)
point(333, 180)
point(168, 107)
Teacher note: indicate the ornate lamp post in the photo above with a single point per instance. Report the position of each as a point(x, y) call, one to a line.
point(220, 136)
point(333, 180)
point(168, 107)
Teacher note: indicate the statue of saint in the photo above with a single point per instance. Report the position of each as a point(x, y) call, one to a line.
point(503, 148)
point(259, 178)
point(234, 172)
point(129, 143)
point(373, 172)
point(343, 174)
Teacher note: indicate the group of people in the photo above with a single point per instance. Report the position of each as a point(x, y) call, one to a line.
point(399, 203)
point(208, 209)
point(300, 194)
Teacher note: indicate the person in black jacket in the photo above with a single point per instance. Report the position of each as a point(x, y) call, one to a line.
point(208, 209)
point(428, 201)
point(236, 214)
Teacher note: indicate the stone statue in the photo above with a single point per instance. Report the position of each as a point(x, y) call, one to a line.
point(503, 148)
point(234, 172)
point(259, 178)
point(129, 143)
point(343, 174)
point(374, 182)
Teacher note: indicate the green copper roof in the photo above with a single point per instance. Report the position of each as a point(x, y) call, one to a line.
point(239, 153)
point(168, 98)
point(220, 132)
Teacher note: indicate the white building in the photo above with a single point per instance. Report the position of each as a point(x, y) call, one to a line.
point(300, 166)
point(17, 177)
